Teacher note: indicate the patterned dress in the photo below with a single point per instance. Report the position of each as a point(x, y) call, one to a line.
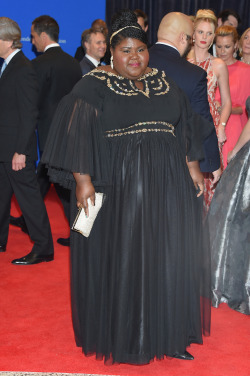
point(212, 85)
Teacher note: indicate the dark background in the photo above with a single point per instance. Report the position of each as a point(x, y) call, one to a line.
point(156, 10)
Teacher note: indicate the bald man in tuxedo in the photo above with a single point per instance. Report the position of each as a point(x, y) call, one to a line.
point(168, 54)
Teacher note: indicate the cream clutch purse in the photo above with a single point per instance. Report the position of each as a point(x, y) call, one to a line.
point(84, 224)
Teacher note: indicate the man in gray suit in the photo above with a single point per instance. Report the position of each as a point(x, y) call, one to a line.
point(94, 44)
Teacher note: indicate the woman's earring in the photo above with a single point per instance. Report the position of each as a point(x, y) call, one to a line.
point(111, 62)
point(235, 54)
point(193, 40)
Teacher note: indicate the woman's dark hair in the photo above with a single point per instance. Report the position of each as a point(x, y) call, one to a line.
point(140, 13)
point(122, 19)
point(224, 14)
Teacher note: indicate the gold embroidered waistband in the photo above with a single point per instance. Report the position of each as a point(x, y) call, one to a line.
point(126, 131)
point(144, 130)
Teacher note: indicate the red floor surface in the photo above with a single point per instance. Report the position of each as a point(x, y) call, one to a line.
point(36, 333)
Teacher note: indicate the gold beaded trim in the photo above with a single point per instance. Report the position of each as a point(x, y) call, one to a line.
point(123, 90)
point(129, 88)
point(143, 123)
point(124, 131)
point(160, 87)
point(144, 130)
point(95, 72)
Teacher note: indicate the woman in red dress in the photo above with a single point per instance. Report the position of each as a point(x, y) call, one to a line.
point(239, 83)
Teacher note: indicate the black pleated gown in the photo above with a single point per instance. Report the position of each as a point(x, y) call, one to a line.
point(140, 282)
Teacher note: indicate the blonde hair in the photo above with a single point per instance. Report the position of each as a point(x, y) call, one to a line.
point(241, 40)
point(226, 30)
point(205, 15)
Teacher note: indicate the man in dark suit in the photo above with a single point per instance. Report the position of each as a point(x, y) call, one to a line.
point(174, 42)
point(57, 73)
point(94, 44)
point(18, 116)
point(99, 25)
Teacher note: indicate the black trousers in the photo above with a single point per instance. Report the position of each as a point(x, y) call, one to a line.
point(45, 183)
point(24, 185)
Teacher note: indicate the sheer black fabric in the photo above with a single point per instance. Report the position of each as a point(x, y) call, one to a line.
point(140, 282)
point(82, 150)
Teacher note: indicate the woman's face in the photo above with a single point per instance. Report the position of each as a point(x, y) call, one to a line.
point(246, 43)
point(204, 35)
point(225, 48)
point(130, 58)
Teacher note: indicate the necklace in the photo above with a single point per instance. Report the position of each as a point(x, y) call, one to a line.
point(202, 61)
point(243, 61)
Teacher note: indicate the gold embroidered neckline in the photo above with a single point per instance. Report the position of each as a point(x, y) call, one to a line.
point(153, 72)
point(123, 86)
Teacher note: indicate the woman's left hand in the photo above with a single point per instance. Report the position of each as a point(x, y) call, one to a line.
point(84, 190)
point(221, 134)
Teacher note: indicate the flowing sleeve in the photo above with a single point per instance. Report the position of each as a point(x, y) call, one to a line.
point(192, 130)
point(75, 142)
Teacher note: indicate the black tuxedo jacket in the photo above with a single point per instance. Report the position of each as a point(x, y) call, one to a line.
point(86, 65)
point(18, 109)
point(79, 55)
point(57, 73)
point(193, 81)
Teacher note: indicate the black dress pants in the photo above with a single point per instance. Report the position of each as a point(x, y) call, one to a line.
point(24, 185)
point(44, 184)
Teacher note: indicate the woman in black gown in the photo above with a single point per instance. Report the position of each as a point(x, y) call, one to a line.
point(140, 282)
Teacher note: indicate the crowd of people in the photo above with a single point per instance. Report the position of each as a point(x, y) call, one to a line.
point(153, 129)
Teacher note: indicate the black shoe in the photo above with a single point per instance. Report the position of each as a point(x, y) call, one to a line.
point(32, 258)
point(64, 241)
point(184, 356)
point(19, 222)
point(3, 248)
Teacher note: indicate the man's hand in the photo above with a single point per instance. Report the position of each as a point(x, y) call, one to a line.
point(18, 161)
point(216, 174)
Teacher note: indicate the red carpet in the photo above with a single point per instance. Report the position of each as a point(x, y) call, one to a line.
point(36, 334)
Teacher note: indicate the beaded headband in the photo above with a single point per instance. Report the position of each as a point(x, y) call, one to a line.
point(118, 31)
